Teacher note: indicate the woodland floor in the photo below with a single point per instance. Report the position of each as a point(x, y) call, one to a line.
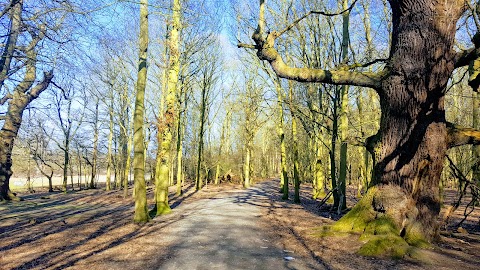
point(223, 227)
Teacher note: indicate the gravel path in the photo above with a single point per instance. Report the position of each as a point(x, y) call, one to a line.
point(224, 232)
point(216, 228)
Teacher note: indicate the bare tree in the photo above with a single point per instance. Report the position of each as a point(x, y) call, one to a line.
point(23, 93)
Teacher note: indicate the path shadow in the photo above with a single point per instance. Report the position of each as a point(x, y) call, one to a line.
point(69, 226)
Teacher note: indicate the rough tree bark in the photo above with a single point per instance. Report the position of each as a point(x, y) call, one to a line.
point(403, 204)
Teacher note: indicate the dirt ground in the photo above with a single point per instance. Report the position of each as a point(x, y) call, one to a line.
point(223, 227)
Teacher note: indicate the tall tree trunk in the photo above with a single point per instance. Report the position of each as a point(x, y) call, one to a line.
point(343, 126)
point(318, 166)
point(281, 135)
point(95, 146)
point(333, 149)
point(296, 177)
point(117, 164)
point(126, 171)
point(476, 125)
point(319, 174)
point(124, 153)
point(109, 153)
point(180, 135)
point(66, 161)
point(203, 105)
point(222, 145)
point(79, 164)
point(247, 163)
point(366, 168)
point(165, 136)
point(141, 210)
point(362, 151)
point(70, 167)
point(179, 153)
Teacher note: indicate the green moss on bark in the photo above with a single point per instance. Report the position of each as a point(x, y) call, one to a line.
point(357, 219)
point(388, 245)
point(382, 234)
point(160, 209)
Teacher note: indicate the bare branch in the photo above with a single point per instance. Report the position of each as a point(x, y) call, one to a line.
point(246, 46)
point(39, 88)
point(464, 57)
point(340, 76)
point(8, 7)
point(357, 141)
point(5, 98)
point(359, 65)
point(474, 10)
point(458, 136)
point(290, 26)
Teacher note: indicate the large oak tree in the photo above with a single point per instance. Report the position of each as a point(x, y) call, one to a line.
point(409, 149)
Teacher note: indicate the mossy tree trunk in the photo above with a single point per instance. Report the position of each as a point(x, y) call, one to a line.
point(343, 118)
point(180, 130)
point(476, 148)
point(296, 176)
point(247, 163)
point(141, 210)
point(165, 132)
point(364, 171)
point(319, 174)
point(281, 136)
point(251, 101)
point(365, 165)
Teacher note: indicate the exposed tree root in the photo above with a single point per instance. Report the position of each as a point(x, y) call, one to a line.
point(158, 211)
point(10, 196)
point(386, 221)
